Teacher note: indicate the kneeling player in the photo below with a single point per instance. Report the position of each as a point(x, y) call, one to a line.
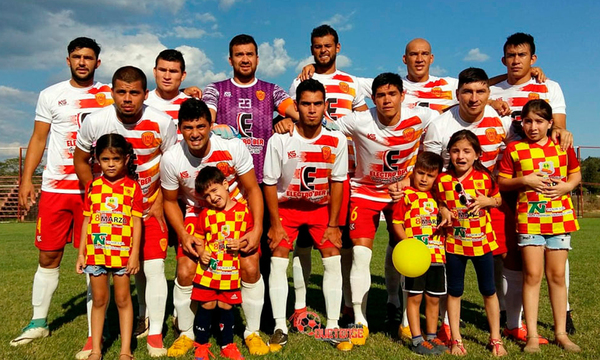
point(303, 177)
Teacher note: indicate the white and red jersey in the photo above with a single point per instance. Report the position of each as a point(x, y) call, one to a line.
point(171, 107)
point(64, 107)
point(302, 168)
point(436, 93)
point(491, 130)
point(179, 169)
point(150, 137)
point(385, 154)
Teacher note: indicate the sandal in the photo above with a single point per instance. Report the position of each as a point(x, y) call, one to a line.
point(570, 346)
point(497, 347)
point(128, 356)
point(457, 348)
point(94, 356)
point(532, 348)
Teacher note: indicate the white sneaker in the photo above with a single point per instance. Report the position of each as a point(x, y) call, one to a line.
point(29, 334)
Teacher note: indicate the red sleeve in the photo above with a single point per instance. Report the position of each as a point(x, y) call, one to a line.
point(506, 168)
point(399, 210)
point(138, 201)
point(199, 230)
point(572, 161)
point(87, 201)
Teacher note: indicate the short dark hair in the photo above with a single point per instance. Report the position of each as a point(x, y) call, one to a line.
point(472, 75)
point(429, 161)
point(242, 39)
point(130, 74)
point(324, 30)
point(84, 42)
point(193, 109)
point(208, 176)
point(386, 79)
point(520, 39)
point(311, 85)
point(171, 55)
point(539, 107)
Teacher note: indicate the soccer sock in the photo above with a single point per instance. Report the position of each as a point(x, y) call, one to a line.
point(513, 297)
point(182, 300)
point(140, 285)
point(304, 255)
point(299, 284)
point(346, 267)
point(278, 291)
point(360, 279)
point(404, 312)
point(431, 336)
point(226, 323)
point(253, 296)
point(567, 283)
point(88, 304)
point(202, 323)
point(392, 278)
point(416, 340)
point(332, 289)
point(156, 294)
point(45, 282)
point(444, 310)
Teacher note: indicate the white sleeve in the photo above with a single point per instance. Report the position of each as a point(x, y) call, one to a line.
point(85, 135)
point(243, 159)
point(42, 109)
point(347, 123)
point(339, 171)
point(433, 138)
point(168, 172)
point(170, 137)
point(557, 99)
point(293, 88)
point(272, 167)
point(365, 85)
point(428, 116)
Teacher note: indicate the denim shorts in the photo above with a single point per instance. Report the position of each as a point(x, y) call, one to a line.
point(554, 242)
point(97, 270)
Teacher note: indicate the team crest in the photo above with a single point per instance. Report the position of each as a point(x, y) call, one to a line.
point(101, 99)
point(326, 151)
point(111, 202)
point(491, 134)
point(344, 87)
point(437, 92)
point(479, 184)
point(148, 138)
point(260, 95)
point(408, 134)
point(546, 167)
point(533, 96)
point(225, 168)
point(225, 231)
point(239, 216)
point(428, 207)
point(163, 244)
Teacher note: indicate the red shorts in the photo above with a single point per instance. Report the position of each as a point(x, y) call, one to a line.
point(365, 215)
point(294, 214)
point(204, 294)
point(504, 226)
point(345, 208)
point(60, 217)
point(154, 240)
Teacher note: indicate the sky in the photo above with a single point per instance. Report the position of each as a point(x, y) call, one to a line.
point(34, 35)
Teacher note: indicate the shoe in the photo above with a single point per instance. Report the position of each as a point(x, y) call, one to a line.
point(277, 341)
point(256, 345)
point(439, 345)
point(232, 352)
point(141, 329)
point(404, 332)
point(344, 346)
point(360, 337)
point(202, 352)
point(30, 332)
point(458, 348)
point(497, 347)
point(296, 316)
point(444, 334)
point(86, 351)
point(155, 346)
point(520, 334)
point(425, 348)
point(570, 329)
point(180, 347)
point(347, 317)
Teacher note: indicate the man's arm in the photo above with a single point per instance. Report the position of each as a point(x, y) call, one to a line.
point(175, 217)
point(35, 151)
point(255, 202)
point(82, 166)
point(332, 233)
point(276, 232)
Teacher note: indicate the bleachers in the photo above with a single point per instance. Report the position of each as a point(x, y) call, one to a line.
point(9, 199)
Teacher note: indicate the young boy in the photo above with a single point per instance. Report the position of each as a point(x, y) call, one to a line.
point(415, 216)
point(217, 280)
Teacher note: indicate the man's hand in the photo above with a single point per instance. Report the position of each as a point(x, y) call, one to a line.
point(284, 126)
point(330, 124)
point(564, 137)
point(193, 91)
point(538, 74)
point(307, 72)
point(275, 235)
point(156, 211)
point(334, 235)
point(396, 190)
point(501, 107)
point(188, 243)
point(233, 244)
point(26, 194)
point(227, 132)
point(250, 241)
point(537, 181)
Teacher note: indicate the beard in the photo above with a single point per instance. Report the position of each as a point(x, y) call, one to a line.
point(327, 64)
point(78, 78)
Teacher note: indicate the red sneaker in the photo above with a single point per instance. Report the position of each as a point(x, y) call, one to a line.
point(202, 352)
point(232, 352)
point(520, 334)
point(444, 334)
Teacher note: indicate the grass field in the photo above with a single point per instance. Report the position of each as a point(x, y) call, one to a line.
point(67, 320)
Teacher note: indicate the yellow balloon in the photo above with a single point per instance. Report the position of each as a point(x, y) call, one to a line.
point(411, 257)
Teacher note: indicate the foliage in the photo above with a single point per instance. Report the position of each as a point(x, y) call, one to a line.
point(590, 173)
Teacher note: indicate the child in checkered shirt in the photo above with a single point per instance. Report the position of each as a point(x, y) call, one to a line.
point(112, 228)
point(416, 216)
point(217, 280)
point(544, 175)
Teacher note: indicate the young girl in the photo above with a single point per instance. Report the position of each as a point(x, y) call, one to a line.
point(544, 175)
point(465, 192)
point(112, 227)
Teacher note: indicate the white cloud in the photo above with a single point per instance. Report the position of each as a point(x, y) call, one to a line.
point(302, 63)
point(437, 70)
point(402, 70)
point(476, 55)
point(274, 59)
point(340, 22)
point(206, 17)
point(342, 62)
point(187, 32)
point(226, 4)
point(16, 116)
point(202, 66)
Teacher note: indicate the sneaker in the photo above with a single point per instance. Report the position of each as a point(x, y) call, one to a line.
point(520, 334)
point(202, 352)
point(85, 352)
point(347, 317)
point(439, 345)
point(30, 332)
point(180, 347)
point(404, 332)
point(296, 316)
point(425, 348)
point(344, 346)
point(362, 337)
point(277, 341)
point(231, 351)
point(570, 329)
point(444, 334)
point(141, 328)
point(256, 345)
point(155, 346)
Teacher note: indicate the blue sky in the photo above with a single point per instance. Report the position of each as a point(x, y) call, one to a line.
point(34, 35)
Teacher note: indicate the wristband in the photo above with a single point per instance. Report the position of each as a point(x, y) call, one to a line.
point(333, 226)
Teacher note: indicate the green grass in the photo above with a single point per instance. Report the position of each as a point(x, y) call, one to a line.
point(69, 327)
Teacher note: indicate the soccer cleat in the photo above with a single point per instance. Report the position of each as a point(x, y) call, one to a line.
point(294, 319)
point(85, 352)
point(141, 328)
point(360, 337)
point(439, 345)
point(425, 348)
point(256, 345)
point(30, 333)
point(444, 334)
point(277, 341)
point(344, 346)
point(180, 347)
point(232, 352)
point(520, 334)
point(202, 352)
point(155, 346)
point(404, 332)
point(570, 328)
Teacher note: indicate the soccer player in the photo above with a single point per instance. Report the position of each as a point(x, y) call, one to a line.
point(151, 132)
point(179, 168)
point(303, 184)
point(60, 111)
point(518, 57)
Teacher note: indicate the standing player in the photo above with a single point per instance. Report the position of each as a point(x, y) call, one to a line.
point(151, 132)
point(303, 184)
point(178, 171)
point(60, 110)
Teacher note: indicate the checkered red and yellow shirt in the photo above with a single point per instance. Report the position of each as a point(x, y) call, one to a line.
point(110, 208)
point(417, 212)
point(216, 227)
point(471, 234)
point(536, 213)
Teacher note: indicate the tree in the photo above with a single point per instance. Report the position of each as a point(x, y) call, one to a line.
point(10, 167)
point(590, 173)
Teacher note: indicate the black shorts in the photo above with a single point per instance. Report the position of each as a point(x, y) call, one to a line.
point(433, 281)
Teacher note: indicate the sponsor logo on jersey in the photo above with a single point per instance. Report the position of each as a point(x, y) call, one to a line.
point(260, 95)
point(111, 202)
point(546, 167)
point(537, 207)
point(244, 124)
point(326, 151)
point(184, 175)
point(99, 238)
point(225, 230)
point(390, 160)
point(62, 102)
point(307, 178)
point(291, 154)
point(428, 207)
point(148, 138)
point(227, 94)
point(372, 137)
